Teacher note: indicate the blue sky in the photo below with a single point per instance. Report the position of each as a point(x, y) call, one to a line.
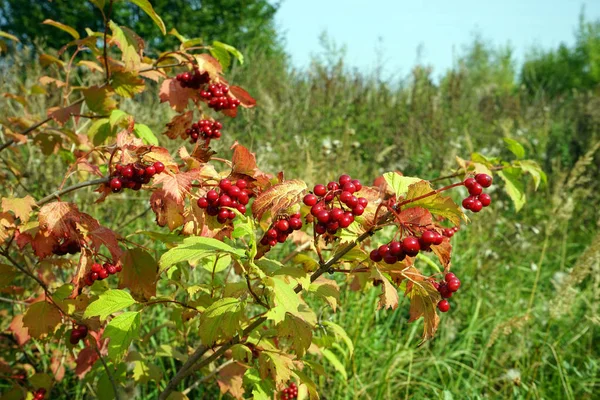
point(441, 28)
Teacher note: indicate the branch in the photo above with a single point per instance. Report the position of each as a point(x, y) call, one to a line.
point(110, 375)
point(495, 168)
point(68, 189)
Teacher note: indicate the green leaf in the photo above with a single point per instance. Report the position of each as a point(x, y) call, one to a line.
point(116, 117)
point(128, 44)
point(284, 297)
point(99, 3)
point(262, 389)
point(514, 186)
point(221, 320)
point(340, 333)
point(399, 183)
point(230, 49)
point(9, 36)
point(222, 56)
point(99, 99)
point(63, 292)
point(515, 147)
point(144, 372)
point(178, 35)
point(276, 365)
point(194, 248)
point(109, 302)
point(217, 265)
point(437, 204)
point(127, 84)
point(62, 27)
point(535, 171)
point(333, 360)
point(147, 8)
point(99, 131)
point(121, 331)
point(298, 331)
point(144, 132)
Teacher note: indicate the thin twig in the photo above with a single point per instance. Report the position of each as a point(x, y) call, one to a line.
point(207, 377)
point(254, 295)
point(6, 300)
point(68, 189)
point(495, 168)
point(25, 132)
point(111, 378)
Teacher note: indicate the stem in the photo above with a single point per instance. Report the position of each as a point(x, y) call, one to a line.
point(106, 18)
point(495, 168)
point(254, 295)
point(433, 192)
point(151, 303)
point(68, 189)
point(111, 378)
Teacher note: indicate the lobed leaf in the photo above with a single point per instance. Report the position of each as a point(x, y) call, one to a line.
point(195, 248)
point(121, 331)
point(222, 319)
point(109, 302)
point(278, 198)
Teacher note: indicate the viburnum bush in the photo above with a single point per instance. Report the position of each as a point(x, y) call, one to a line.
point(240, 312)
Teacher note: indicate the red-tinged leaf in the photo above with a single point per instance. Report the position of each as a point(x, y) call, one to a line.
point(202, 154)
point(198, 223)
point(244, 162)
point(443, 252)
point(231, 379)
point(126, 140)
point(153, 74)
point(62, 115)
point(151, 154)
point(19, 330)
point(177, 96)
point(389, 296)
point(7, 224)
point(93, 67)
point(208, 63)
point(85, 361)
point(139, 274)
point(60, 219)
point(177, 186)
point(168, 211)
point(57, 365)
point(244, 97)
point(436, 203)
point(278, 198)
point(20, 207)
point(84, 267)
point(417, 216)
point(41, 318)
point(423, 302)
point(176, 128)
point(99, 99)
point(98, 235)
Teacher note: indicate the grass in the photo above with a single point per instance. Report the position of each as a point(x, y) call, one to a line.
point(525, 324)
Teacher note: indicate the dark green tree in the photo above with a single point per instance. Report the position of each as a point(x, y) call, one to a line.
point(241, 23)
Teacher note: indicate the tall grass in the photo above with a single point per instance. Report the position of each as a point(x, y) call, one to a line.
point(525, 323)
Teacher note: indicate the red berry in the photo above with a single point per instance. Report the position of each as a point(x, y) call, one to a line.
point(332, 227)
point(375, 256)
point(475, 189)
point(477, 206)
point(444, 305)
point(320, 229)
point(225, 184)
point(151, 170)
point(103, 274)
point(94, 276)
point(241, 208)
point(469, 182)
point(111, 269)
point(363, 202)
point(242, 184)
point(310, 200)
point(390, 259)
point(234, 192)
point(453, 284)
point(273, 242)
point(410, 246)
point(202, 202)
point(316, 209)
point(96, 267)
point(484, 180)
point(349, 187)
point(395, 248)
point(83, 330)
point(438, 239)
point(345, 221)
point(333, 186)
point(358, 210)
point(225, 201)
point(282, 225)
point(444, 291)
point(323, 216)
point(353, 202)
point(344, 179)
point(428, 237)
point(320, 190)
point(116, 184)
point(449, 276)
point(295, 223)
point(345, 197)
point(357, 185)
point(272, 233)
point(73, 339)
point(383, 250)
point(468, 202)
point(485, 199)
point(159, 167)
point(336, 214)
point(243, 198)
point(127, 172)
point(212, 196)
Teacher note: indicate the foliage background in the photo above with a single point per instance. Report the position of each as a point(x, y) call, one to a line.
point(526, 323)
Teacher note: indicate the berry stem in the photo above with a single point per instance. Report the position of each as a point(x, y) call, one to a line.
point(494, 168)
point(432, 193)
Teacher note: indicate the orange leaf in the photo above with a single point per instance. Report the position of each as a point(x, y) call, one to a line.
point(230, 379)
point(167, 211)
point(423, 302)
point(177, 96)
point(389, 296)
point(21, 333)
point(415, 216)
point(443, 252)
point(62, 115)
point(244, 97)
point(177, 186)
point(176, 128)
point(85, 360)
point(278, 198)
point(59, 219)
point(21, 207)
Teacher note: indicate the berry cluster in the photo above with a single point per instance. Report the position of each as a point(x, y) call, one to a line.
point(99, 272)
point(449, 232)
point(193, 80)
point(281, 229)
point(204, 129)
point(217, 203)
point(68, 246)
point(218, 97)
point(329, 217)
point(132, 176)
point(446, 287)
point(78, 334)
point(477, 199)
point(39, 394)
point(410, 246)
point(290, 392)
